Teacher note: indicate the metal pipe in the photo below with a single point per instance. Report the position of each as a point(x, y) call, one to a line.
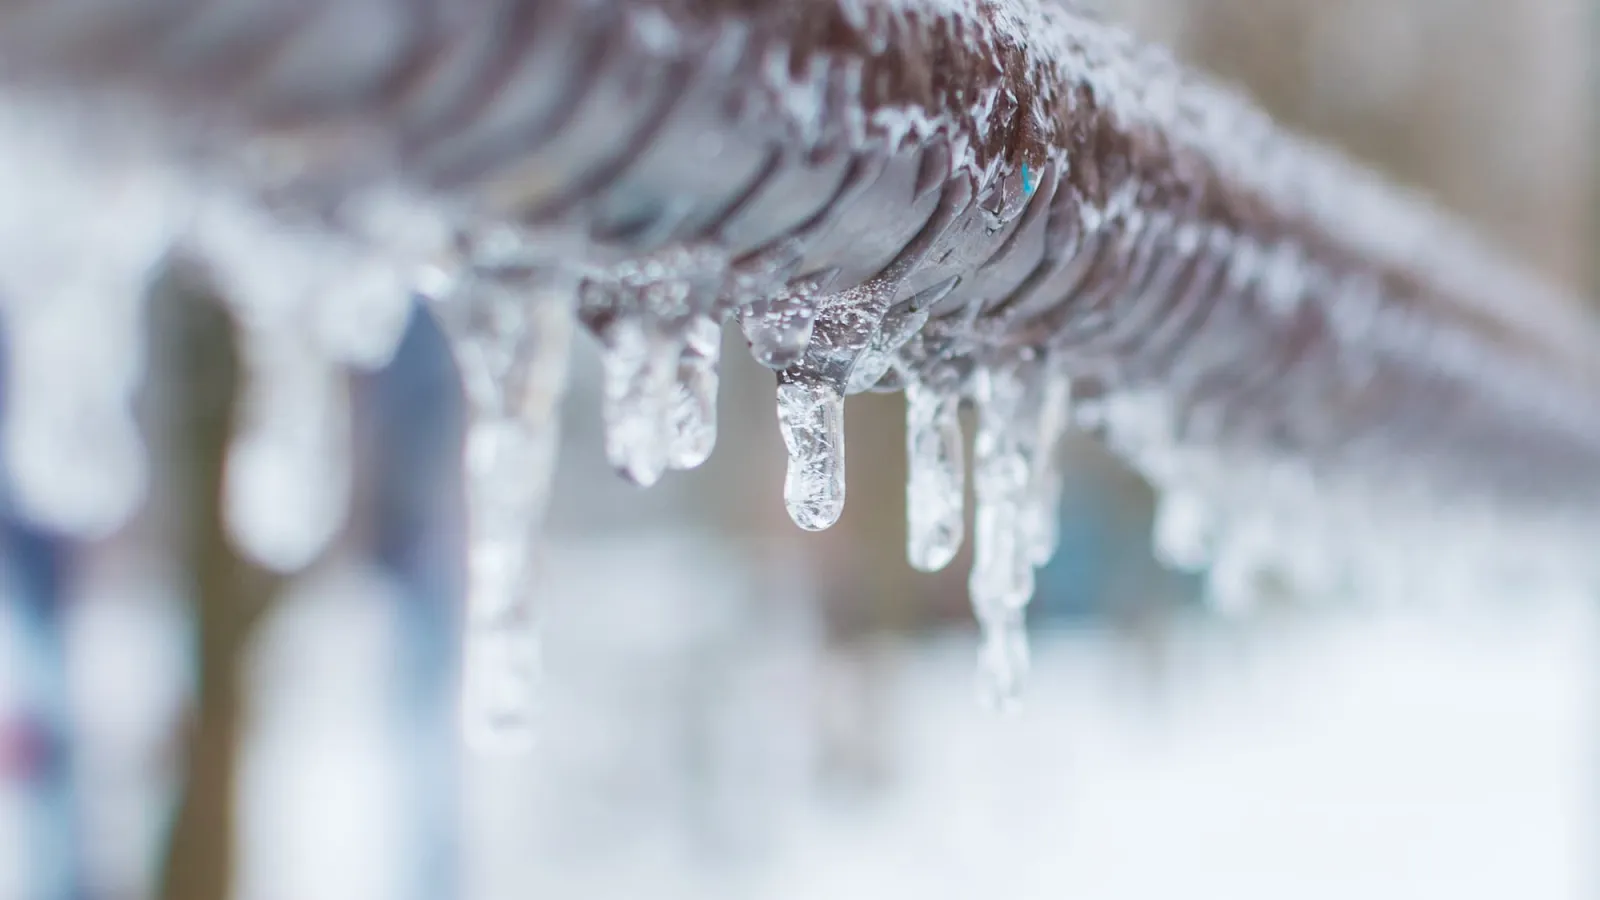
point(1278, 302)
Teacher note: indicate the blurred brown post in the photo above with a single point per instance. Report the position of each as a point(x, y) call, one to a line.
point(193, 390)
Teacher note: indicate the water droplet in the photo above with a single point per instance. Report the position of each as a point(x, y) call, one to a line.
point(811, 417)
point(936, 477)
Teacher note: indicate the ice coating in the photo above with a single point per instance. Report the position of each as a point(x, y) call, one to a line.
point(778, 327)
point(936, 477)
point(1241, 297)
point(510, 338)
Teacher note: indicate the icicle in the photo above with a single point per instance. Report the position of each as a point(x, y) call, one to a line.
point(288, 477)
point(695, 411)
point(936, 476)
point(1001, 583)
point(811, 417)
point(512, 347)
point(658, 318)
point(641, 379)
point(76, 460)
point(87, 217)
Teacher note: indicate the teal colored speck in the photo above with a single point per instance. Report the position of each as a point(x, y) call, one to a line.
point(1029, 185)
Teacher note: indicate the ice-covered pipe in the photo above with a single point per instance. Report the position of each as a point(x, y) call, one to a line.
point(985, 200)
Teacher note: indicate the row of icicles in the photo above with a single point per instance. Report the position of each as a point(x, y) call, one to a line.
point(660, 340)
point(80, 237)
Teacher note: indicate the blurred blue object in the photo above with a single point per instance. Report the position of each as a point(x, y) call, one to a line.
point(412, 419)
point(35, 737)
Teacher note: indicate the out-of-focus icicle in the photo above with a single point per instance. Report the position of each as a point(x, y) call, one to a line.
point(1001, 582)
point(288, 477)
point(1041, 517)
point(694, 433)
point(79, 234)
point(511, 343)
point(658, 320)
point(936, 476)
point(1023, 412)
point(811, 417)
point(641, 379)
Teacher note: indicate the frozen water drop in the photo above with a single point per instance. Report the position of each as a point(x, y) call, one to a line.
point(811, 417)
point(936, 477)
point(641, 380)
point(779, 328)
point(695, 395)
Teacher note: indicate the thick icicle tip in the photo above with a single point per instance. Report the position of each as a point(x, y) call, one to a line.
point(811, 417)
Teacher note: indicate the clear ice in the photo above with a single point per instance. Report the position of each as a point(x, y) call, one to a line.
point(1023, 411)
point(694, 423)
point(641, 383)
point(778, 328)
point(811, 417)
point(936, 477)
point(1001, 582)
